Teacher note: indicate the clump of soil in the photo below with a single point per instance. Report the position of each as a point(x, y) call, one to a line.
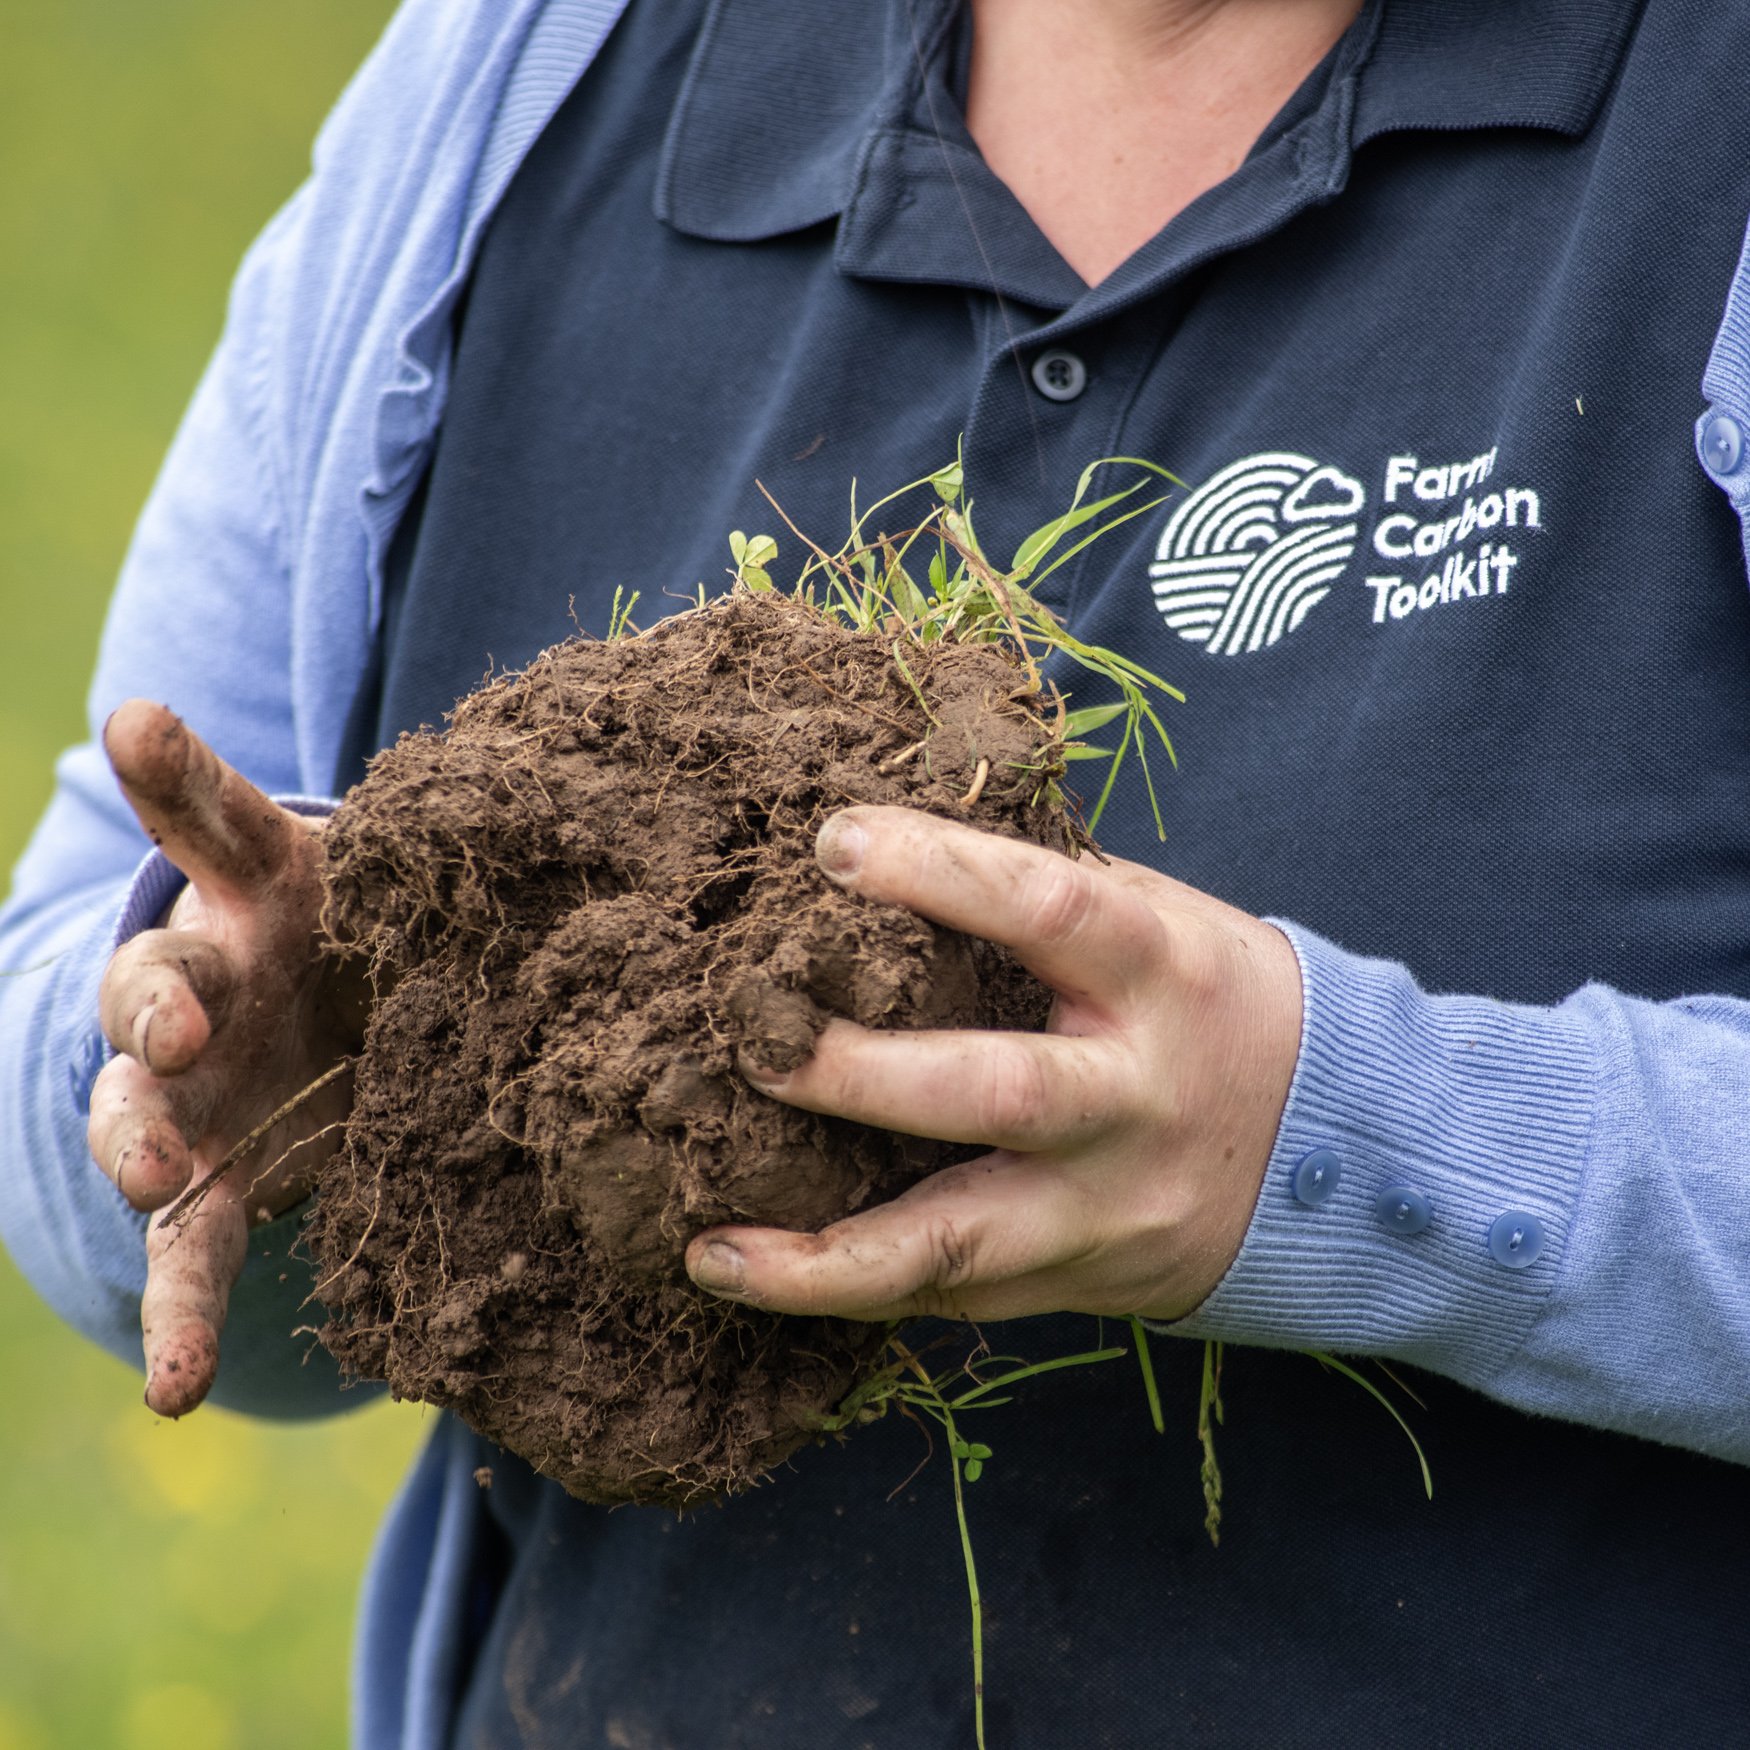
point(580, 902)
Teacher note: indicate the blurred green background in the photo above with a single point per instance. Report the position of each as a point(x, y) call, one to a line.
point(163, 1586)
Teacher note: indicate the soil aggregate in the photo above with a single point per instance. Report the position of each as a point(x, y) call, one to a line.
point(579, 903)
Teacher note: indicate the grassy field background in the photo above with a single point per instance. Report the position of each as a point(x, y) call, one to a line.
point(163, 1586)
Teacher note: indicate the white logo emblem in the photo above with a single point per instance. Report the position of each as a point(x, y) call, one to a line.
point(1254, 550)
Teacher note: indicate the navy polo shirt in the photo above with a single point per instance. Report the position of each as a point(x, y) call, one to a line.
point(1465, 638)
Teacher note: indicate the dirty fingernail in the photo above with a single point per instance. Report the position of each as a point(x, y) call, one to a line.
point(762, 1075)
point(720, 1269)
point(839, 847)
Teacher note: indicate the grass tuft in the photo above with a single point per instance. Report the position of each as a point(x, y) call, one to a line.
point(868, 584)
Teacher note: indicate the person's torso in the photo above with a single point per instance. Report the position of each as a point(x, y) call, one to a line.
point(1466, 643)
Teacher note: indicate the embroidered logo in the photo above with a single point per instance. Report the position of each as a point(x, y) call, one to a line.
point(1253, 551)
point(1247, 556)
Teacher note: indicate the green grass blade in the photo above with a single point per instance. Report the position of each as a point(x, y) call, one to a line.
point(1108, 664)
point(899, 492)
point(1154, 801)
point(911, 681)
point(1139, 1334)
point(1042, 540)
point(1103, 530)
point(1111, 776)
point(1159, 728)
point(1092, 717)
point(972, 1592)
point(621, 613)
point(1145, 464)
point(1391, 1409)
point(1028, 1372)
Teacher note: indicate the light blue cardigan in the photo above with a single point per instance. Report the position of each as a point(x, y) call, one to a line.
point(250, 601)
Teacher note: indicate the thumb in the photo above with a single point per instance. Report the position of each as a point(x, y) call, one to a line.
point(208, 819)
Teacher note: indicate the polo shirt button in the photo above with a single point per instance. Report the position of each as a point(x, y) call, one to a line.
point(1403, 1210)
point(1059, 375)
point(1315, 1180)
point(1722, 443)
point(1516, 1240)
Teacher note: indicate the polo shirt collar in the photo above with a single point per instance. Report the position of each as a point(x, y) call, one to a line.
point(777, 107)
point(1454, 65)
point(794, 113)
point(862, 123)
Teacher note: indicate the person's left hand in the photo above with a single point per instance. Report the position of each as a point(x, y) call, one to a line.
point(1128, 1141)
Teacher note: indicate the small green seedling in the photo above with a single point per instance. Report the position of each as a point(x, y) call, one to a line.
point(906, 1384)
point(751, 557)
point(620, 616)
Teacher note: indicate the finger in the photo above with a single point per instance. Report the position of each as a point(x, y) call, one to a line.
point(163, 993)
point(975, 1241)
point(1084, 935)
point(139, 1131)
point(191, 1264)
point(212, 823)
point(1020, 1091)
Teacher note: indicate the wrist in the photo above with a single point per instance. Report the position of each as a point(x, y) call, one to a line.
point(1476, 1109)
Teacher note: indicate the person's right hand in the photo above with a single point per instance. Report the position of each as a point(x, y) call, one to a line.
point(219, 1018)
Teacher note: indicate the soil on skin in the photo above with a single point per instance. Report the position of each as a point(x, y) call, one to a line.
point(581, 902)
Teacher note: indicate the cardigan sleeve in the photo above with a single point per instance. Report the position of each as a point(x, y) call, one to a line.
point(200, 620)
point(246, 598)
point(1545, 1204)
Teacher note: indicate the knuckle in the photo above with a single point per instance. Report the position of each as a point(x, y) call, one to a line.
point(1142, 938)
point(162, 1240)
point(1014, 1096)
point(109, 1088)
point(1058, 900)
point(112, 1116)
point(150, 1170)
point(951, 1253)
point(119, 995)
point(1198, 963)
point(173, 1032)
point(1102, 1087)
point(148, 990)
point(947, 1267)
point(813, 1281)
point(204, 970)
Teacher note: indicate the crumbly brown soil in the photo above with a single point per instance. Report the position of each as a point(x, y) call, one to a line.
point(580, 902)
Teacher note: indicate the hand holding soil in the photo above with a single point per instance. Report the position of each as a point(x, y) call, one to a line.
point(219, 1018)
point(1129, 1140)
point(587, 902)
